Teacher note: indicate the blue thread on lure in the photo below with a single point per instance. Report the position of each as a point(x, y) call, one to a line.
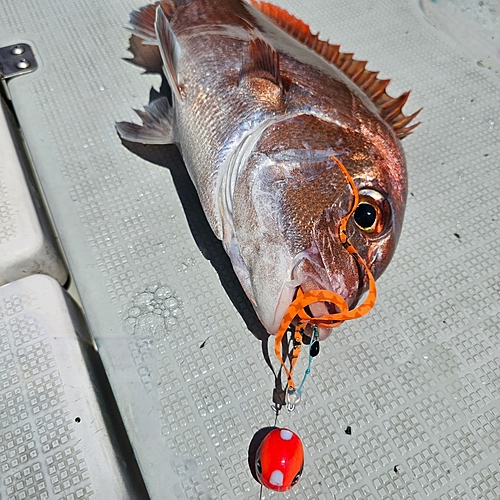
point(313, 352)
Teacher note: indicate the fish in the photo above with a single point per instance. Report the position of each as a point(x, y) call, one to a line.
point(260, 108)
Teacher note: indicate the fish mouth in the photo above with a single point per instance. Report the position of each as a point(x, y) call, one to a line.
point(308, 274)
point(317, 309)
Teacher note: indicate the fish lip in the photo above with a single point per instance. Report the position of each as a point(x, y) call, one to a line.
point(310, 273)
point(290, 292)
point(313, 277)
point(286, 297)
point(319, 309)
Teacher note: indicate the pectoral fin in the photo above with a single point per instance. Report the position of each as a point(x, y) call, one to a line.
point(156, 128)
point(261, 61)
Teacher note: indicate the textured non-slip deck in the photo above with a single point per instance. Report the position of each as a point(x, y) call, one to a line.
point(59, 430)
point(401, 404)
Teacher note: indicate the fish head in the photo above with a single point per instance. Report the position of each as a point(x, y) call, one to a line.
point(289, 205)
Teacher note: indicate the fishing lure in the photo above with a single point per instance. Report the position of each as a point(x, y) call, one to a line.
point(280, 457)
point(304, 299)
point(280, 460)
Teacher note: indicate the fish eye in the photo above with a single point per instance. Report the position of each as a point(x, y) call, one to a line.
point(365, 216)
point(373, 213)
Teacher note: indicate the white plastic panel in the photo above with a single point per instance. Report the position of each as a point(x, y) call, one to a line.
point(403, 403)
point(26, 246)
point(54, 440)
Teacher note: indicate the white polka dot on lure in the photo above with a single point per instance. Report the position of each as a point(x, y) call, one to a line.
point(286, 435)
point(276, 478)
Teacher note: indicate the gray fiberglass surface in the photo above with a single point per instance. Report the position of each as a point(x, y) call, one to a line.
point(416, 381)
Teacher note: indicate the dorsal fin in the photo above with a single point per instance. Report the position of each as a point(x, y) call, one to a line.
point(390, 107)
point(143, 19)
point(261, 61)
point(169, 50)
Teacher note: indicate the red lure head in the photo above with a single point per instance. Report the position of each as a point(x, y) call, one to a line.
point(280, 460)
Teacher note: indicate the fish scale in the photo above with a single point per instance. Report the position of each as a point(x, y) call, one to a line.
point(207, 123)
point(261, 109)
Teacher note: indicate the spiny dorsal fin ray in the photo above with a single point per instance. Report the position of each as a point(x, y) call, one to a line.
point(169, 50)
point(261, 61)
point(390, 107)
point(142, 20)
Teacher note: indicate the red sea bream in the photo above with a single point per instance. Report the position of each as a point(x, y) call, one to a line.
point(259, 108)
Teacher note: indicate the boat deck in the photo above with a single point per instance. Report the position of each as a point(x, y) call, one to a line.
point(157, 385)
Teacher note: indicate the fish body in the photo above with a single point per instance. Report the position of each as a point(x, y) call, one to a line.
point(260, 107)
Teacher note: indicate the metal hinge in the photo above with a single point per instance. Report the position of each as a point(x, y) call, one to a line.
point(16, 60)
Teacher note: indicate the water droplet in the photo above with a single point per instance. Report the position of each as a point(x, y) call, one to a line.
point(160, 332)
point(129, 326)
point(163, 293)
point(134, 312)
point(148, 325)
point(143, 299)
point(171, 303)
